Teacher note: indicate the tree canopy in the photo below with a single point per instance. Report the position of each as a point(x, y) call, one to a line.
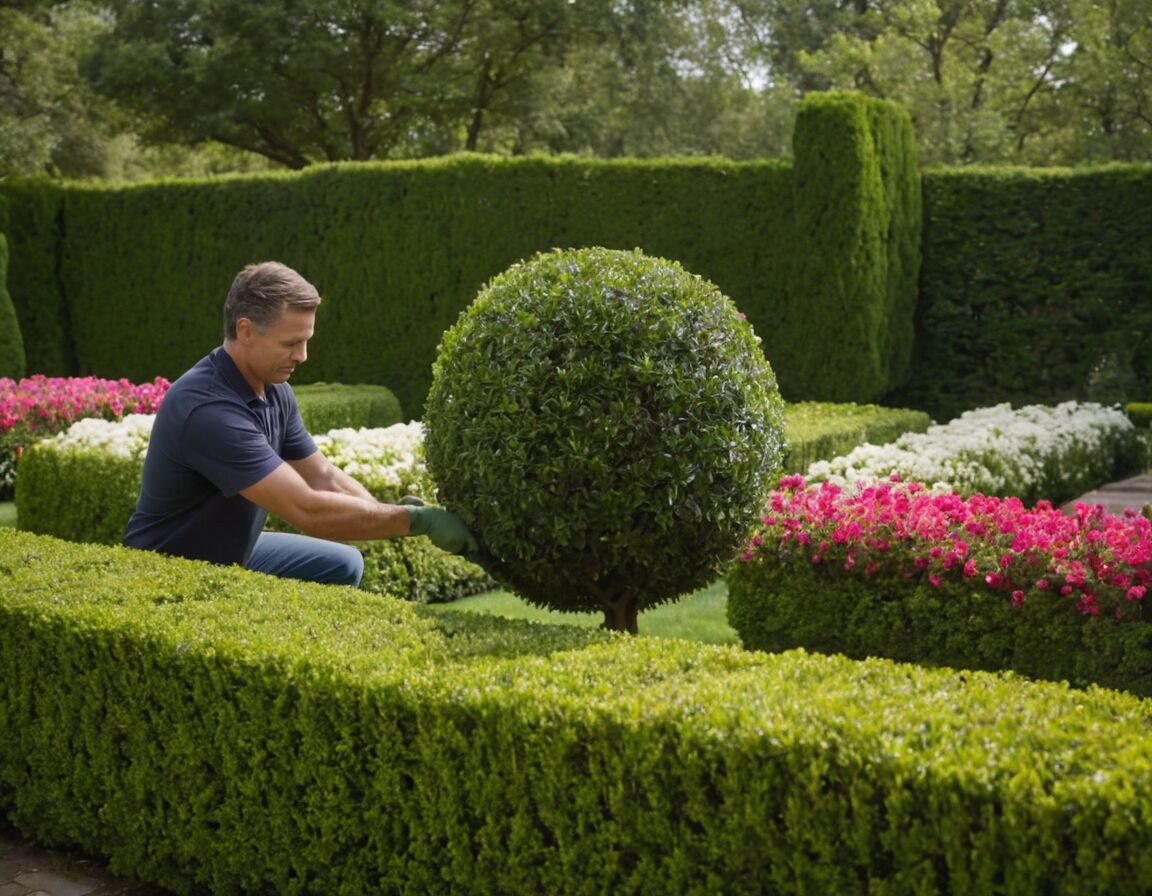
point(133, 87)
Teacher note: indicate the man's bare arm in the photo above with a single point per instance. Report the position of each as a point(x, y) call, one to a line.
point(333, 514)
point(323, 475)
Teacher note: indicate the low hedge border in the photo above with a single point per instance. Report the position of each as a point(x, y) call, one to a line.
point(820, 608)
point(896, 570)
point(816, 430)
point(87, 496)
point(211, 729)
point(325, 406)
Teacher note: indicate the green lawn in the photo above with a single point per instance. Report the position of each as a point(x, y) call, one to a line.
point(700, 616)
point(7, 513)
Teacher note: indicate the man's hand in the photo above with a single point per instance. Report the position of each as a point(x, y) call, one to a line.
point(445, 529)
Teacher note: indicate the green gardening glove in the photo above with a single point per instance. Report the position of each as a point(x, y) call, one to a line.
point(444, 529)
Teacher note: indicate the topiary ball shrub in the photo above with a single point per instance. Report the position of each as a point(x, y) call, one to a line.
point(608, 426)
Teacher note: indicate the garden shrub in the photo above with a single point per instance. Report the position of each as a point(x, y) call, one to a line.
point(1140, 413)
point(1033, 287)
point(895, 570)
point(851, 291)
point(82, 484)
point(607, 425)
point(325, 406)
point(218, 731)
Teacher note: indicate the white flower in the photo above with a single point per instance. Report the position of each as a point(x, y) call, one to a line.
point(993, 450)
point(389, 461)
point(124, 438)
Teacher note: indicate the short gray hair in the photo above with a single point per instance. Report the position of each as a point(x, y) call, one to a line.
point(262, 291)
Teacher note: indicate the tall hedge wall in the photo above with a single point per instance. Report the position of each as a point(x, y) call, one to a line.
point(1036, 286)
point(11, 345)
point(853, 284)
point(399, 249)
point(35, 232)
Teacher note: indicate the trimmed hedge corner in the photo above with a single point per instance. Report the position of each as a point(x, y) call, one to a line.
point(215, 730)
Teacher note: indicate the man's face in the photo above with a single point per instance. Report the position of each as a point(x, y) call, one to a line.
point(273, 355)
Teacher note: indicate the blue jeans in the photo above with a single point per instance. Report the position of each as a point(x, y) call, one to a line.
point(293, 556)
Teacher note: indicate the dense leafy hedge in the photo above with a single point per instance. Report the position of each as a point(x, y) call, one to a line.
point(215, 730)
point(325, 406)
point(1034, 288)
point(34, 245)
point(399, 249)
point(960, 624)
point(12, 360)
point(1140, 413)
point(852, 288)
point(817, 431)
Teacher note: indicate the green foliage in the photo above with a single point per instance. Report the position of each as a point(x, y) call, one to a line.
point(823, 430)
point(76, 494)
point(851, 292)
point(219, 731)
point(607, 424)
point(417, 78)
point(397, 250)
point(412, 569)
point(779, 606)
point(34, 236)
point(325, 406)
point(1140, 413)
point(51, 121)
point(12, 360)
point(1034, 289)
point(986, 82)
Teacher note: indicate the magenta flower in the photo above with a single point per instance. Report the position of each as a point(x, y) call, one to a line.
point(40, 406)
point(1102, 562)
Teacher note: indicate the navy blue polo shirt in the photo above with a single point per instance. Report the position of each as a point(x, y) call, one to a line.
point(212, 438)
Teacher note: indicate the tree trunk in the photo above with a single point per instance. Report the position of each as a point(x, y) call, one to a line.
point(620, 614)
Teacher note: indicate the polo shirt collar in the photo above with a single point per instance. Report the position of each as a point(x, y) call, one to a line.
point(235, 379)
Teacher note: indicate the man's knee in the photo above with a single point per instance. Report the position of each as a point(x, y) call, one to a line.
point(347, 567)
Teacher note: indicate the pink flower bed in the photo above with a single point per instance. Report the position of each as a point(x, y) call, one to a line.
point(1097, 562)
point(41, 406)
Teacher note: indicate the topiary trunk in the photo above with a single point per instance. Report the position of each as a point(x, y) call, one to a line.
point(620, 613)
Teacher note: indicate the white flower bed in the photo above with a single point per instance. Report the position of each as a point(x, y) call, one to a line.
point(994, 451)
point(389, 461)
point(125, 438)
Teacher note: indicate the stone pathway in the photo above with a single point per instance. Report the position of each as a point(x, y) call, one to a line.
point(1128, 494)
point(28, 870)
